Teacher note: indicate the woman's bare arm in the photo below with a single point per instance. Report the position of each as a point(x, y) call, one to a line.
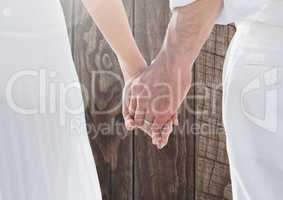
point(111, 19)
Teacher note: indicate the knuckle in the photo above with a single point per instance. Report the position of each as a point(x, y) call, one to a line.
point(139, 115)
point(139, 123)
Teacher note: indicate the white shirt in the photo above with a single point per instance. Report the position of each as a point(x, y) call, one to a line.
point(267, 11)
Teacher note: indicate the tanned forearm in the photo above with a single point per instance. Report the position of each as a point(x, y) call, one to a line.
point(189, 28)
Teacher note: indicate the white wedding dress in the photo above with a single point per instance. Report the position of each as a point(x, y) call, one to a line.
point(44, 148)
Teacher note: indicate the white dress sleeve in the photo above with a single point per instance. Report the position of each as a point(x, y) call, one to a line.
point(232, 11)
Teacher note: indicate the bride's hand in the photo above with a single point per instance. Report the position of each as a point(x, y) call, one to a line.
point(159, 136)
point(123, 44)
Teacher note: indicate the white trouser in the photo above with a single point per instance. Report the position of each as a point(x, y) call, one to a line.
point(253, 111)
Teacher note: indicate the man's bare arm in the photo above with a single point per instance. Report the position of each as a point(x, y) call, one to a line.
point(189, 28)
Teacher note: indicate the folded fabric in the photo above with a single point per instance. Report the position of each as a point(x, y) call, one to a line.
point(233, 10)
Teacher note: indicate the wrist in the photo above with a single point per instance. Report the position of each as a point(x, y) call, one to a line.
point(178, 51)
point(172, 60)
point(187, 32)
point(130, 70)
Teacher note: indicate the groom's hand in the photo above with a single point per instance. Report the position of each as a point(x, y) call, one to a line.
point(152, 98)
point(161, 139)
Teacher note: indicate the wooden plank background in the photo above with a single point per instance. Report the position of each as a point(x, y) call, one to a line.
point(194, 165)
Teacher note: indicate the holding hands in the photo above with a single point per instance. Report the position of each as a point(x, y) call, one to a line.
point(153, 94)
point(151, 99)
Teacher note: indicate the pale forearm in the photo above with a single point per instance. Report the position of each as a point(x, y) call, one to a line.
point(111, 18)
point(189, 28)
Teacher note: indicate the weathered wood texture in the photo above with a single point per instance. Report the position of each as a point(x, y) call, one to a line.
point(166, 174)
point(212, 169)
point(102, 85)
point(194, 165)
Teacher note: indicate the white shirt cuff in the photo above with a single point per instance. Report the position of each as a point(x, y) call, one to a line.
point(180, 3)
point(232, 11)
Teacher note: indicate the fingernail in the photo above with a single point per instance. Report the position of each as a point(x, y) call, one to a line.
point(156, 143)
point(176, 122)
point(157, 146)
point(163, 145)
point(129, 128)
point(130, 122)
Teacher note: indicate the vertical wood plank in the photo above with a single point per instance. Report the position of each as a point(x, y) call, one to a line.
point(166, 174)
point(102, 85)
point(212, 169)
point(169, 173)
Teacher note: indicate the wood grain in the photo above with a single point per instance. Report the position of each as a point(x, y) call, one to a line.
point(102, 85)
point(212, 167)
point(194, 166)
point(169, 173)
